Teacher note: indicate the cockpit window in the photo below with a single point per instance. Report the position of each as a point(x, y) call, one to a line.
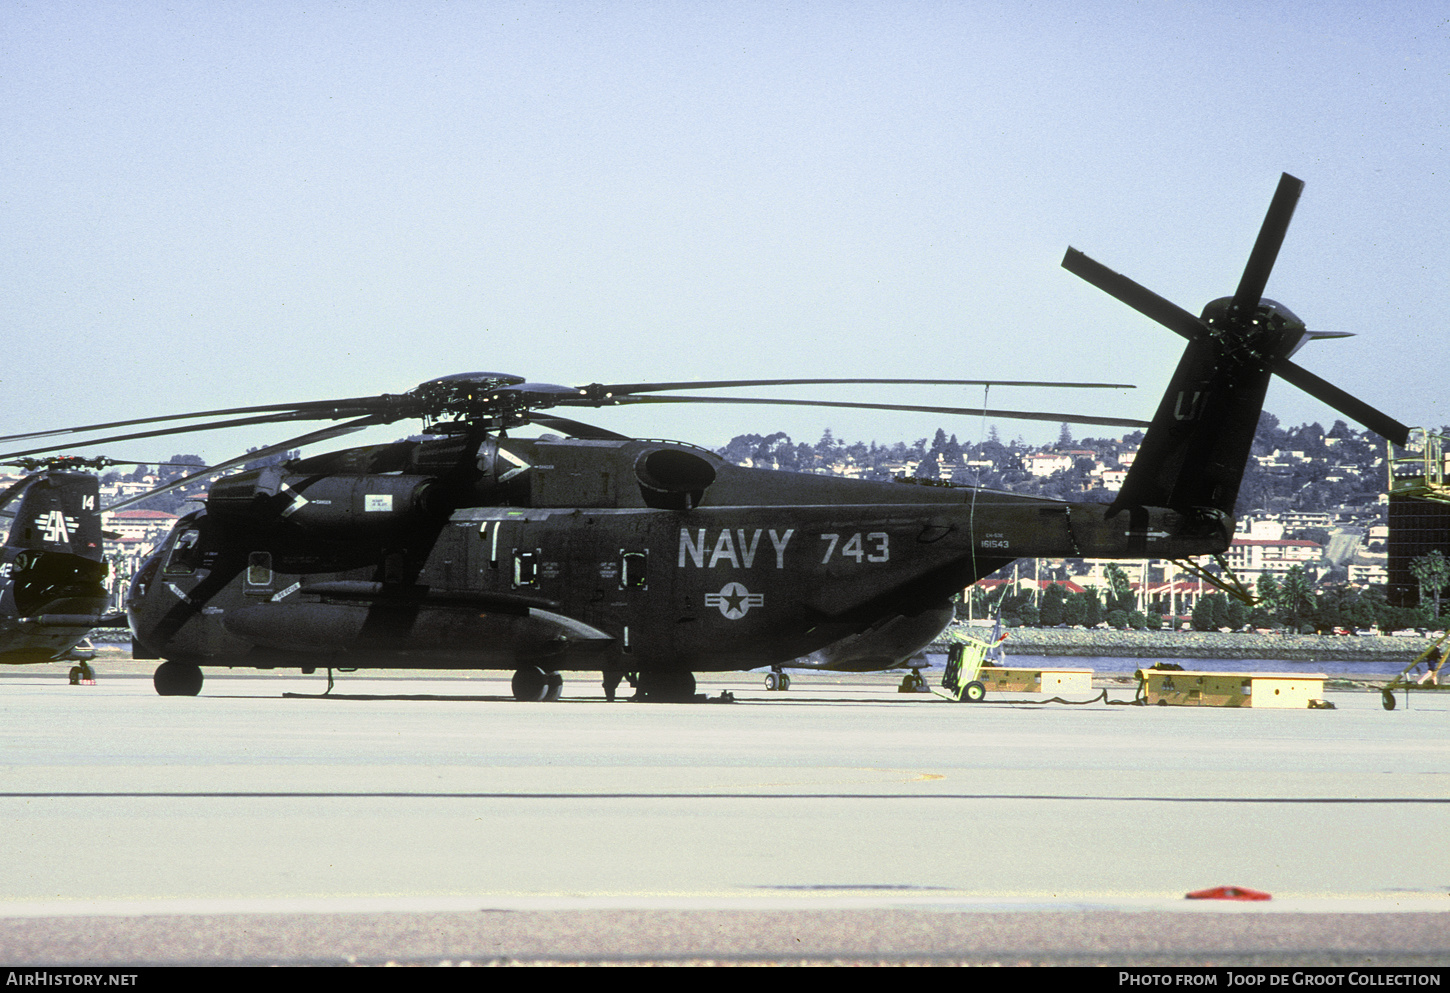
point(184, 556)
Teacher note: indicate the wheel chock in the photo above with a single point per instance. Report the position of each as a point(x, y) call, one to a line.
point(1228, 893)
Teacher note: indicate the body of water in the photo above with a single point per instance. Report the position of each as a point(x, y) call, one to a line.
point(1126, 666)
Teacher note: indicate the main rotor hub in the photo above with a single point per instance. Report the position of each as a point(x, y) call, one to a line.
point(464, 394)
point(64, 462)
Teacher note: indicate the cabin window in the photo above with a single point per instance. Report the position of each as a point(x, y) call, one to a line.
point(184, 556)
point(526, 568)
point(632, 570)
point(259, 569)
point(141, 582)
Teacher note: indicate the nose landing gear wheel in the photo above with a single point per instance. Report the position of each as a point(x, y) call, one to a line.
point(530, 684)
point(177, 679)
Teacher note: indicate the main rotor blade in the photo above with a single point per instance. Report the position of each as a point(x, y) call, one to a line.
point(343, 408)
point(577, 429)
point(1352, 407)
point(1266, 247)
point(1021, 415)
point(624, 389)
point(185, 429)
point(337, 430)
point(1140, 298)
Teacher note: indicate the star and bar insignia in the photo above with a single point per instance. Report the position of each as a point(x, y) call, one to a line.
point(734, 601)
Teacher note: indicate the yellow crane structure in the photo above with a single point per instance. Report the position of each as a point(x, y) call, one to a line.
point(1419, 468)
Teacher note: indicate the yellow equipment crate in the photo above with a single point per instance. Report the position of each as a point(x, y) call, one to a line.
point(1015, 680)
point(1185, 688)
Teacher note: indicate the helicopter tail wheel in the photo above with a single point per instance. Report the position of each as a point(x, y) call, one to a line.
point(974, 692)
point(177, 679)
point(531, 684)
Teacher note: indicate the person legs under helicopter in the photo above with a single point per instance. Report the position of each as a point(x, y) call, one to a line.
point(1433, 662)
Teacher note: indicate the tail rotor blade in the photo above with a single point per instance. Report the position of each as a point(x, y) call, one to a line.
point(1135, 295)
point(1266, 248)
point(1352, 407)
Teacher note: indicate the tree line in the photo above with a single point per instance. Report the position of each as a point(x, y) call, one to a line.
point(1292, 604)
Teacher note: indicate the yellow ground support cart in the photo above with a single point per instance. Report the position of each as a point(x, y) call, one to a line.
point(964, 663)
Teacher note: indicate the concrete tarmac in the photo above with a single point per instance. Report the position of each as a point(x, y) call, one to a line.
point(430, 818)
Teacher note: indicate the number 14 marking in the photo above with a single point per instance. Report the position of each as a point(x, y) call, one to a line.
point(854, 549)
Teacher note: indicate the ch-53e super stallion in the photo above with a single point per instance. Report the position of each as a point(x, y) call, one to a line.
point(470, 549)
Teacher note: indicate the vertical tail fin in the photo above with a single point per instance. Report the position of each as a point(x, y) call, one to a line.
point(56, 512)
point(1198, 444)
point(53, 551)
point(1194, 454)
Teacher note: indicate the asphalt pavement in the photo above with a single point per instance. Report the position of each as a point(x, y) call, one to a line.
point(430, 818)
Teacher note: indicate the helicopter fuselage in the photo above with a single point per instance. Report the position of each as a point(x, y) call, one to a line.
point(585, 554)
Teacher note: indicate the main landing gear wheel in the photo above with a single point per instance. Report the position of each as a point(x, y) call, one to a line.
point(777, 681)
point(533, 684)
point(973, 692)
point(177, 679)
point(667, 687)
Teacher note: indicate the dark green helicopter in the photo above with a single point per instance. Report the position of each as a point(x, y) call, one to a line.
point(471, 549)
point(53, 571)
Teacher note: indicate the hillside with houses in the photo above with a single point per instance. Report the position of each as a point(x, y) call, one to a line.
point(1312, 520)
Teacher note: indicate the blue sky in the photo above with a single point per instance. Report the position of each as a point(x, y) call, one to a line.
point(205, 205)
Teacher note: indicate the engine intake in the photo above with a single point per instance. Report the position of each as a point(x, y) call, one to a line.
point(672, 479)
point(349, 503)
